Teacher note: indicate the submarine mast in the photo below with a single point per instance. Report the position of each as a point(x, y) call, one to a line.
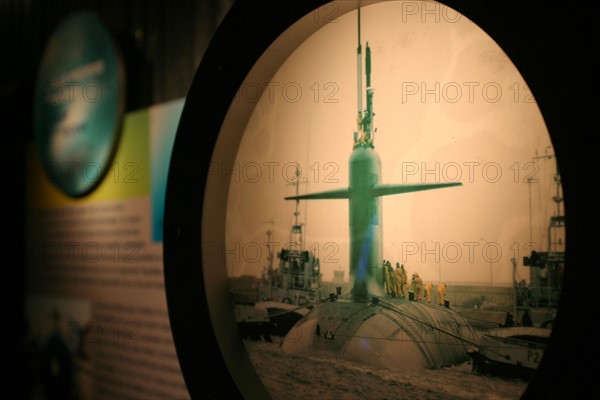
point(364, 134)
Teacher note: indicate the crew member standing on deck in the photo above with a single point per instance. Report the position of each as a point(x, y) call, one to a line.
point(392, 278)
point(403, 287)
point(398, 279)
point(412, 286)
point(441, 293)
point(387, 278)
point(417, 286)
point(428, 287)
point(509, 321)
point(526, 319)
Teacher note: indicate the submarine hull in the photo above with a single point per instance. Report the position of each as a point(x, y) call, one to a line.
point(395, 334)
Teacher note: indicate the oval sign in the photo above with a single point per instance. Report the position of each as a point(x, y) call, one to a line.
point(78, 104)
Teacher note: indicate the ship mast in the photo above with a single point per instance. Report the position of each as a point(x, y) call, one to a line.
point(558, 220)
point(269, 245)
point(549, 263)
point(296, 238)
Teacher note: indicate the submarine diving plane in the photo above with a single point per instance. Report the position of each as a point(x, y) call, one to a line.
point(366, 326)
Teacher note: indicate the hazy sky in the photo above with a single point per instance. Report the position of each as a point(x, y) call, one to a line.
point(450, 106)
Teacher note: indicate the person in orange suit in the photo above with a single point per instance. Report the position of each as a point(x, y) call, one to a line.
point(428, 287)
point(441, 293)
point(388, 278)
point(417, 286)
point(399, 278)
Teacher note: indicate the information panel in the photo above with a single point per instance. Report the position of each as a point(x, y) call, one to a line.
point(96, 304)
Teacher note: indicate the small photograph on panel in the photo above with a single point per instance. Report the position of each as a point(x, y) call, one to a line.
point(59, 340)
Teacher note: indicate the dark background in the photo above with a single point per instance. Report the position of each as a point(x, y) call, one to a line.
point(163, 43)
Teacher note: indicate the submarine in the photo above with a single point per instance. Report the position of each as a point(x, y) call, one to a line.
point(365, 325)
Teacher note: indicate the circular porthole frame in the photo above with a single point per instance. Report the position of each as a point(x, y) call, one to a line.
point(201, 317)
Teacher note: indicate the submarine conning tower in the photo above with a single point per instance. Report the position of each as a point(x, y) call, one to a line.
point(364, 193)
point(366, 226)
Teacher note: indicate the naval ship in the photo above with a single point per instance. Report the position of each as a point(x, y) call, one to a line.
point(287, 289)
point(515, 349)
